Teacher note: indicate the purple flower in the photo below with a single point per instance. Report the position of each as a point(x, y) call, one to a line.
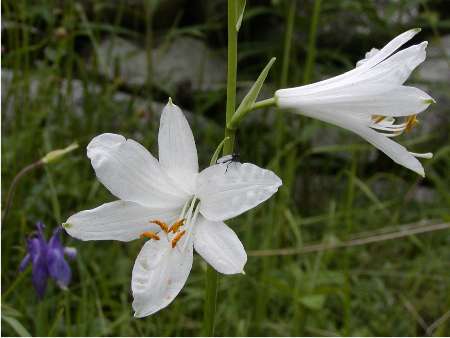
point(47, 260)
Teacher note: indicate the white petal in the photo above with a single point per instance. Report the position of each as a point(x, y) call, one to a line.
point(353, 74)
point(219, 246)
point(228, 190)
point(159, 274)
point(177, 151)
point(395, 151)
point(360, 99)
point(397, 68)
point(390, 48)
point(119, 220)
point(131, 173)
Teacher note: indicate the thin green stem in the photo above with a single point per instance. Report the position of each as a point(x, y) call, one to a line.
point(232, 125)
point(288, 43)
point(311, 56)
point(280, 126)
point(263, 104)
point(211, 274)
point(15, 181)
point(210, 300)
point(231, 75)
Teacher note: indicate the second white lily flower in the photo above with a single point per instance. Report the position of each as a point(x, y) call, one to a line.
point(171, 204)
point(369, 99)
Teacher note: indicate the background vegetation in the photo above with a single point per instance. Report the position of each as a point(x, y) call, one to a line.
point(74, 69)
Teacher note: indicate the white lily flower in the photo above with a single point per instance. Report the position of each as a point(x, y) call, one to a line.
point(171, 204)
point(370, 99)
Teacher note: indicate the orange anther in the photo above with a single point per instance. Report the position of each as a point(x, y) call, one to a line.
point(411, 122)
point(175, 226)
point(161, 224)
point(150, 234)
point(377, 118)
point(177, 238)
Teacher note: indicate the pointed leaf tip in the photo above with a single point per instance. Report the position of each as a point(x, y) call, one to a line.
point(240, 8)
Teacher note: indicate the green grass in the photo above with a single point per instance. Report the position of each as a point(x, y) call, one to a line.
point(330, 193)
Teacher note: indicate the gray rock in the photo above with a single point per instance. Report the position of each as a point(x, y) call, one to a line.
point(398, 11)
point(75, 93)
point(436, 68)
point(120, 57)
point(189, 60)
point(181, 61)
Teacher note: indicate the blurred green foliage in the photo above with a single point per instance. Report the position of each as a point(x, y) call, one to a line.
point(54, 93)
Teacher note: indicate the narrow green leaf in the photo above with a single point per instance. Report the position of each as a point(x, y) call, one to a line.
point(253, 93)
point(218, 150)
point(240, 9)
point(17, 326)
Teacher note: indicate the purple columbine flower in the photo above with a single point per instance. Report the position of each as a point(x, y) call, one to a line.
point(47, 260)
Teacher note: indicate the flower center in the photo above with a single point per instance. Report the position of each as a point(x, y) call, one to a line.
point(174, 233)
point(387, 126)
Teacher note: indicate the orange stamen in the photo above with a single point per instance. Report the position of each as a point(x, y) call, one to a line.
point(175, 226)
point(377, 118)
point(411, 122)
point(150, 235)
point(177, 238)
point(161, 224)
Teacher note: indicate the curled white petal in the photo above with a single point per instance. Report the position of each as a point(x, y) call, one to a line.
point(381, 55)
point(395, 151)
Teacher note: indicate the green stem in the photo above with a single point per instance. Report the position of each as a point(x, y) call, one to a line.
point(310, 58)
point(280, 124)
point(210, 301)
point(231, 75)
point(15, 181)
point(211, 274)
point(232, 125)
point(287, 43)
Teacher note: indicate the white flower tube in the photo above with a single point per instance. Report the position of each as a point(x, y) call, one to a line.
point(370, 99)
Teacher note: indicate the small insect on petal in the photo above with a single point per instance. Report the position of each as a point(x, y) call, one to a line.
point(161, 224)
point(150, 235)
point(175, 226)
point(224, 159)
point(177, 238)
